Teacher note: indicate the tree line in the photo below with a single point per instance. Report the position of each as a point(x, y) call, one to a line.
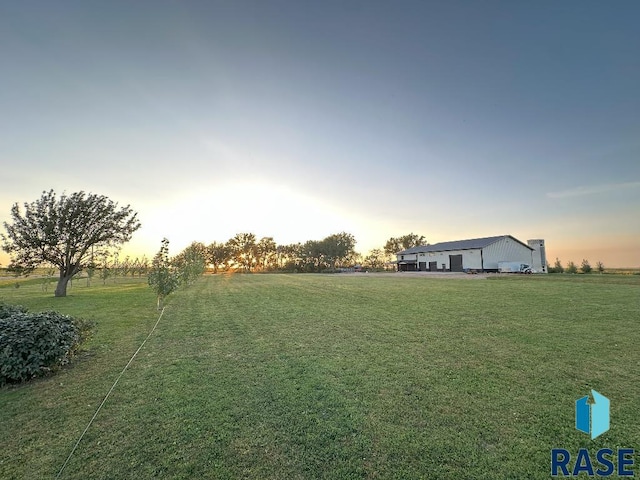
point(585, 267)
point(244, 252)
point(79, 232)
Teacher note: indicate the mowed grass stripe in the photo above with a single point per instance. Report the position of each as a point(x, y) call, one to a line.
point(333, 376)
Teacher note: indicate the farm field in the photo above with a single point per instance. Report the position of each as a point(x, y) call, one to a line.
point(330, 376)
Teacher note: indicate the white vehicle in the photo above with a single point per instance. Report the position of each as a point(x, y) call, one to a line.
point(514, 267)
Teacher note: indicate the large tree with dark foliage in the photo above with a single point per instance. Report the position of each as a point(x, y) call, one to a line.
point(395, 245)
point(338, 248)
point(63, 231)
point(218, 254)
point(243, 249)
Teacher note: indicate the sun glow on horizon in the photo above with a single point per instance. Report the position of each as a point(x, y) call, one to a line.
point(219, 212)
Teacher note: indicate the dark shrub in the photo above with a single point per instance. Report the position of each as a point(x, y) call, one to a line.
point(9, 310)
point(34, 344)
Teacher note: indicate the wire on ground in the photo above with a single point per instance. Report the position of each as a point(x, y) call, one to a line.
point(107, 395)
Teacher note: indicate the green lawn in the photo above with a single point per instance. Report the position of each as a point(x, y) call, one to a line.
point(331, 376)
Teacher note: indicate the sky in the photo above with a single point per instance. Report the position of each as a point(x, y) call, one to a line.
point(299, 119)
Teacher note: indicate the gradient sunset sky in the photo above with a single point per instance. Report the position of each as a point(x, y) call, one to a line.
point(298, 119)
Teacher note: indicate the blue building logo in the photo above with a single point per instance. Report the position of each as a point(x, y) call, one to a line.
point(593, 418)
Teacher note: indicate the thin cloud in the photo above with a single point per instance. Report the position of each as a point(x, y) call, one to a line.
point(593, 189)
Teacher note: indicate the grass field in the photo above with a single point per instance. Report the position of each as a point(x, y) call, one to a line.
point(331, 376)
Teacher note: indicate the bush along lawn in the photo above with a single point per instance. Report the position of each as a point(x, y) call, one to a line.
point(36, 344)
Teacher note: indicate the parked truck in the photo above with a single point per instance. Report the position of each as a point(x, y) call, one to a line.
point(514, 267)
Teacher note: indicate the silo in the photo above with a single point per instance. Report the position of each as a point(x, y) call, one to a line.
point(539, 255)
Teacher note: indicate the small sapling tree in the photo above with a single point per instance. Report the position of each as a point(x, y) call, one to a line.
point(557, 267)
point(600, 267)
point(585, 267)
point(115, 267)
point(105, 268)
point(163, 279)
point(91, 269)
point(143, 266)
point(135, 267)
point(571, 267)
point(126, 267)
point(49, 273)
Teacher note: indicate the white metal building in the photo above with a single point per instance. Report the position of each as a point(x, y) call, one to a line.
point(481, 254)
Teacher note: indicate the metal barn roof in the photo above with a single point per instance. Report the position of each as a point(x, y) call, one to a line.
point(471, 244)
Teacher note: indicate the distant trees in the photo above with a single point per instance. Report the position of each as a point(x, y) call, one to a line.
point(190, 263)
point(243, 250)
point(289, 257)
point(585, 266)
point(105, 267)
point(167, 274)
point(108, 265)
point(218, 256)
point(140, 266)
point(311, 256)
point(338, 249)
point(65, 231)
point(327, 254)
point(395, 245)
point(557, 267)
point(244, 253)
point(266, 254)
point(376, 259)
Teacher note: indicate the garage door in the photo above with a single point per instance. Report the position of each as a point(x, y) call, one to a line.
point(455, 263)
